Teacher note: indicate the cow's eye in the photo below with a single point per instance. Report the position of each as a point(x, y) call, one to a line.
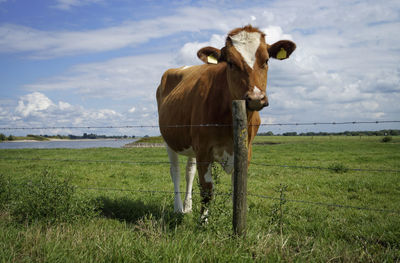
point(265, 64)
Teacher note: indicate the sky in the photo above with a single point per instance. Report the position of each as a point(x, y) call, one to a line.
point(73, 63)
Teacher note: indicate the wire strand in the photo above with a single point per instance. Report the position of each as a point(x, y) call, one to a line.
point(197, 125)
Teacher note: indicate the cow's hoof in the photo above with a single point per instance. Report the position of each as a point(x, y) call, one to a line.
point(204, 217)
point(178, 210)
point(187, 206)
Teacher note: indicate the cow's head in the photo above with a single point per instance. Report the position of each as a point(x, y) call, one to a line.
point(246, 58)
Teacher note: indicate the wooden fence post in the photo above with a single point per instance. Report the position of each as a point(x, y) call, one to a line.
point(240, 167)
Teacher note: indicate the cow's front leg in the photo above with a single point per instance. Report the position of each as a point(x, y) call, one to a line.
point(205, 177)
point(175, 176)
point(190, 173)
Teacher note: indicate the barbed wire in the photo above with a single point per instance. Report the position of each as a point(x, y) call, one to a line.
point(165, 192)
point(197, 125)
point(198, 163)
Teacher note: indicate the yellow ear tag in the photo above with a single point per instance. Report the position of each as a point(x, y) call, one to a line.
point(212, 60)
point(282, 54)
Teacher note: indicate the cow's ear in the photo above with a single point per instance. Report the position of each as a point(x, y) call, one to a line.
point(281, 49)
point(209, 55)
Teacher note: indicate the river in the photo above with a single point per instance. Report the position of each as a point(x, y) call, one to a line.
point(71, 144)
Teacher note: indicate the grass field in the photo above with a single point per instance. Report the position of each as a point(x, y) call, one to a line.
point(291, 217)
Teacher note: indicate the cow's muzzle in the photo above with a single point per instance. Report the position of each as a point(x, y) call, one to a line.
point(256, 101)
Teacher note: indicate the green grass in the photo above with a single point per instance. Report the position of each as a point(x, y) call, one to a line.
point(139, 226)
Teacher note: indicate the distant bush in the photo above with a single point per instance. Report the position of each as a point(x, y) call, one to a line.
point(47, 198)
point(11, 138)
point(2, 137)
point(36, 137)
point(387, 139)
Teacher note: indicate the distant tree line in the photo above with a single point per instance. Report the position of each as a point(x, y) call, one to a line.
point(346, 133)
point(6, 138)
point(90, 136)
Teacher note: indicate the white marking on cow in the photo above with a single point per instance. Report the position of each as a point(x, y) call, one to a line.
point(257, 90)
point(186, 67)
point(247, 43)
point(190, 173)
point(258, 93)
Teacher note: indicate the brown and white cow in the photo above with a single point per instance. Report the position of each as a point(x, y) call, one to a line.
point(190, 97)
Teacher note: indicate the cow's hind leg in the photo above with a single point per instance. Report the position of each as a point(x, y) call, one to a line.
point(190, 173)
point(206, 183)
point(175, 175)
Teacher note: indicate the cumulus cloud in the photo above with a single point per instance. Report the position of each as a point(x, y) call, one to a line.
point(37, 110)
point(33, 103)
point(275, 33)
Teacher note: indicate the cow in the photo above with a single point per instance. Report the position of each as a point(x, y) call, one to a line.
point(195, 107)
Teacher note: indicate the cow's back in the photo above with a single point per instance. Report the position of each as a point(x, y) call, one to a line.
point(174, 78)
point(176, 96)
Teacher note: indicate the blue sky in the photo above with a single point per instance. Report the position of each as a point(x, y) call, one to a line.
point(99, 62)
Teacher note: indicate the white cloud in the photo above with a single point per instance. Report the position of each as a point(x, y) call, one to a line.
point(68, 4)
point(275, 33)
point(33, 103)
point(64, 105)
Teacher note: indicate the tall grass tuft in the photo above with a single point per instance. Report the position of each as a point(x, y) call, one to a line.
point(5, 191)
point(49, 199)
point(338, 168)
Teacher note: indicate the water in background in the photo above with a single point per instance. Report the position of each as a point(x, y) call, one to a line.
point(71, 144)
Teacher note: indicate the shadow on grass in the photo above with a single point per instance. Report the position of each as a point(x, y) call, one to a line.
point(131, 211)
